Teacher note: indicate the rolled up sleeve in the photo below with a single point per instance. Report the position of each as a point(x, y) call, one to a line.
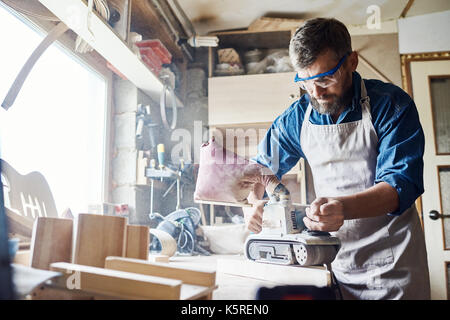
point(401, 147)
point(280, 150)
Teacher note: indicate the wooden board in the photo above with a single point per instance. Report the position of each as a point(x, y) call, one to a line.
point(248, 39)
point(189, 275)
point(97, 237)
point(158, 258)
point(221, 203)
point(18, 224)
point(137, 243)
point(275, 24)
point(23, 257)
point(256, 98)
point(279, 274)
point(121, 284)
point(59, 292)
point(51, 241)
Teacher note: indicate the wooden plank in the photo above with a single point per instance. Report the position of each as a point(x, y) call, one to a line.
point(137, 243)
point(250, 39)
point(51, 242)
point(235, 204)
point(158, 258)
point(54, 292)
point(98, 237)
point(192, 292)
point(189, 275)
point(122, 284)
point(280, 274)
point(19, 224)
point(211, 55)
point(406, 8)
point(275, 24)
point(23, 257)
point(223, 203)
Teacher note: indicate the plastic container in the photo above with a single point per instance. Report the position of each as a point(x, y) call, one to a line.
point(158, 48)
point(151, 59)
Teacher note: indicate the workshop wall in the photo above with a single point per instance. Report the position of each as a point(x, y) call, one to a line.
point(382, 52)
point(126, 186)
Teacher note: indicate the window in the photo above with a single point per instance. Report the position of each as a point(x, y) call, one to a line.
point(57, 123)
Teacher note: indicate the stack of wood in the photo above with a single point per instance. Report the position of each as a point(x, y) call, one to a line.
point(103, 257)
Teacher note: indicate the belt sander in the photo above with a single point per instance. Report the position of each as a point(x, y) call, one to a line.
point(226, 178)
point(284, 239)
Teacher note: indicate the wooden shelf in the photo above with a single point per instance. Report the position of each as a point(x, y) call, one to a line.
point(250, 39)
point(250, 98)
point(107, 43)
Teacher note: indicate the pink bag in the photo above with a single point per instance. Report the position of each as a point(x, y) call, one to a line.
point(225, 176)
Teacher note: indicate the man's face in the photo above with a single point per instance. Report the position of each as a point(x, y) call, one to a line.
point(333, 99)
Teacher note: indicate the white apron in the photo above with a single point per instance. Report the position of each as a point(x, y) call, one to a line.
point(382, 257)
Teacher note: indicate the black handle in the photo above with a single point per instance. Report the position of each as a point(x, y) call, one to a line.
point(434, 215)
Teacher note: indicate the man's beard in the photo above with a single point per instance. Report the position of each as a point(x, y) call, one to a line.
point(335, 105)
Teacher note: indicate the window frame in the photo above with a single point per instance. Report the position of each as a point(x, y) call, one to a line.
point(97, 64)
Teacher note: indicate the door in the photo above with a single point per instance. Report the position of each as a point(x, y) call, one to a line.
point(431, 91)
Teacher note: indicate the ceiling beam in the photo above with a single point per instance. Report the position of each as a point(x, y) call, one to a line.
point(406, 8)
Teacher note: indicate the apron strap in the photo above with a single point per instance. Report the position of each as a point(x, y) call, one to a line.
point(365, 102)
point(308, 112)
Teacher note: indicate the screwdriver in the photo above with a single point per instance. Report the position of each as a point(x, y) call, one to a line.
point(160, 150)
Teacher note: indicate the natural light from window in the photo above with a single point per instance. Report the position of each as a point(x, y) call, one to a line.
point(57, 123)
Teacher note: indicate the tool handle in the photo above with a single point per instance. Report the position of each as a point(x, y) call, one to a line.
point(160, 150)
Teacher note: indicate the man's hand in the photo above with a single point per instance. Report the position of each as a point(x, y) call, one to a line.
point(253, 216)
point(324, 214)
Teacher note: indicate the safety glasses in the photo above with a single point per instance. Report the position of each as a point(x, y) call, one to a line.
point(323, 80)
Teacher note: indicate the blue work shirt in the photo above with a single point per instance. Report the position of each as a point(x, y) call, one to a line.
point(395, 118)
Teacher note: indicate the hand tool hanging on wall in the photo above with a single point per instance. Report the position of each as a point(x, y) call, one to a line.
point(145, 125)
point(168, 89)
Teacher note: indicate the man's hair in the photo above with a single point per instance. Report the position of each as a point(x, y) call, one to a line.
point(316, 36)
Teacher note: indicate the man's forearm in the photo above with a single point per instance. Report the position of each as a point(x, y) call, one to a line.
point(375, 201)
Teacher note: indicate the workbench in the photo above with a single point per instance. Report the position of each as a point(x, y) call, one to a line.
point(239, 279)
point(232, 286)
